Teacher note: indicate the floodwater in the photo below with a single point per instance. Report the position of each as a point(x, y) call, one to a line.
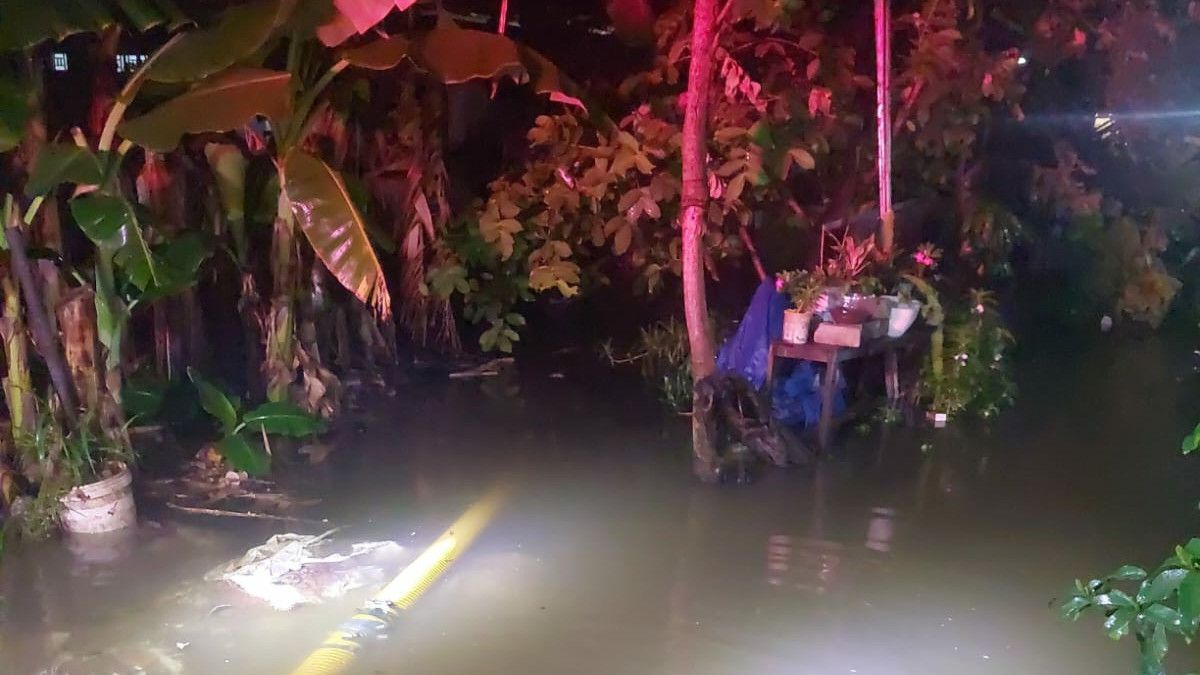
point(908, 552)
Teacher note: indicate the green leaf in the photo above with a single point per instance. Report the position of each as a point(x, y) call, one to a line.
point(1115, 598)
point(134, 258)
point(143, 397)
point(178, 264)
point(283, 418)
point(101, 217)
point(1189, 600)
point(14, 112)
point(1156, 647)
point(1128, 573)
point(224, 102)
point(215, 402)
point(1161, 586)
point(239, 32)
point(243, 456)
point(1072, 608)
point(59, 163)
point(1193, 547)
point(1191, 441)
point(111, 223)
point(1161, 615)
point(111, 317)
point(1117, 623)
point(335, 229)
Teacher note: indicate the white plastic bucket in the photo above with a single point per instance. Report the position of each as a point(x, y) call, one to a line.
point(795, 326)
point(902, 317)
point(103, 506)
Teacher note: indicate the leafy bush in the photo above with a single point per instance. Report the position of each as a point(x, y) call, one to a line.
point(971, 375)
point(664, 356)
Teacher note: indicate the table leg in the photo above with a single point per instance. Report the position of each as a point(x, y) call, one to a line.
point(891, 377)
point(825, 423)
point(770, 371)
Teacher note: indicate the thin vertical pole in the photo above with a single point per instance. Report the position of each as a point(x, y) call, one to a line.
point(883, 116)
point(503, 24)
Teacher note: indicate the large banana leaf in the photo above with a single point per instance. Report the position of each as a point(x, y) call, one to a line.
point(221, 103)
point(59, 163)
point(336, 230)
point(25, 23)
point(547, 79)
point(240, 31)
point(382, 54)
point(454, 54)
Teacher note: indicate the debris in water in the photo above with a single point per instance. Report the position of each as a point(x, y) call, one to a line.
point(295, 569)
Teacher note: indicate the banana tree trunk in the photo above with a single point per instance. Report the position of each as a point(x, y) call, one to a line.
point(18, 387)
point(695, 209)
point(279, 362)
point(81, 346)
point(45, 338)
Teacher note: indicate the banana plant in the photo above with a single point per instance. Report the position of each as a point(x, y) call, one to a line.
point(232, 88)
point(115, 225)
point(239, 444)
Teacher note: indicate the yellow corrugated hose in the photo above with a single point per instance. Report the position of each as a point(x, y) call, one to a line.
point(339, 649)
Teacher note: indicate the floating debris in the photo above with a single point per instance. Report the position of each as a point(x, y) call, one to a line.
point(296, 569)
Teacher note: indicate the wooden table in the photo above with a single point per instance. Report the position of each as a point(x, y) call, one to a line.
point(832, 356)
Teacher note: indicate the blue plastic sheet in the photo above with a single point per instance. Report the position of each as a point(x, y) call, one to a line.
point(796, 400)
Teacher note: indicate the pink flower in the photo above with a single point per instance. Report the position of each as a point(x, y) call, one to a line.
point(779, 284)
point(923, 259)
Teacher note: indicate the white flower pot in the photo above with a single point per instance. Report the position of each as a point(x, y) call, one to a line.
point(104, 506)
point(795, 326)
point(902, 317)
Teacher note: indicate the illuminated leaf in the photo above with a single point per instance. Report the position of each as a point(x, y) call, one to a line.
point(335, 229)
point(803, 158)
point(622, 239)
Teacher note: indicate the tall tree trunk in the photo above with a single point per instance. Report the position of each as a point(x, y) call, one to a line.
point(695, 210)
point(883, 123)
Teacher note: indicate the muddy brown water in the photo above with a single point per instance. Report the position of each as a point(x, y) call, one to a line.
point(910, 552)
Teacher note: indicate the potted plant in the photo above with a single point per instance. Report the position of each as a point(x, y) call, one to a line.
point(84, 479)
point(805, 289)
point(904, 310)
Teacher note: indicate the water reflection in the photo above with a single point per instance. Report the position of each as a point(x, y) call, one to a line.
point(892, 558)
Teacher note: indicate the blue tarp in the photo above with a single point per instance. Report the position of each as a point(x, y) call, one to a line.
point(796, 400)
